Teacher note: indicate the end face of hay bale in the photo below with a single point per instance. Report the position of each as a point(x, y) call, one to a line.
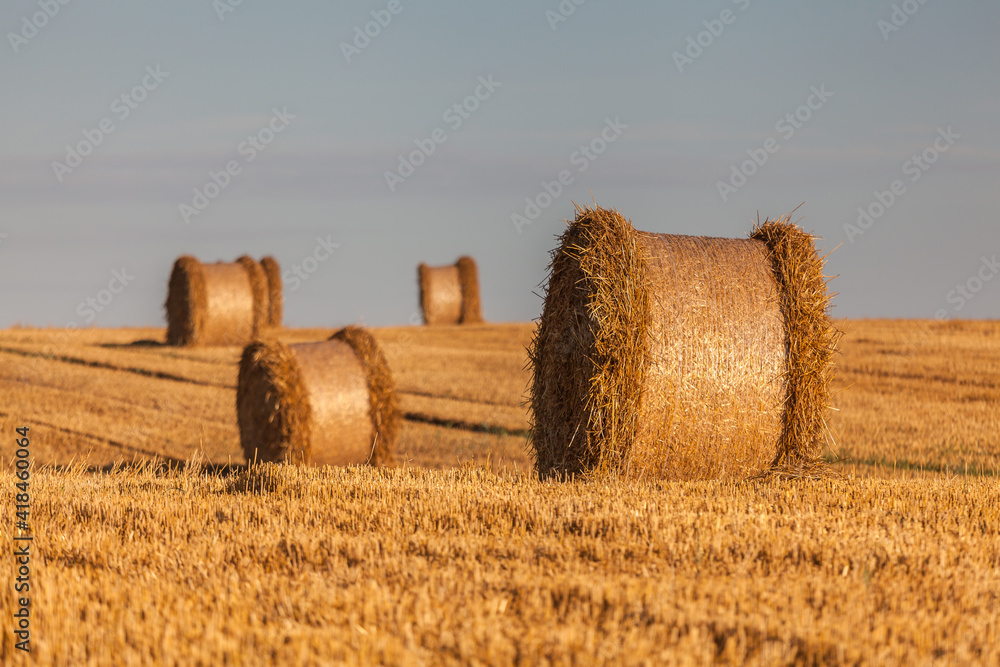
point(187, 302)
point(383, 401)
point(276, 298)
point(272, 405)
point(811, 338)
point(259, 288)
point(468, 276)
point(589, 352)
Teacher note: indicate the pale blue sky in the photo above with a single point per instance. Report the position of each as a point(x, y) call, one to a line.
point(324, 175)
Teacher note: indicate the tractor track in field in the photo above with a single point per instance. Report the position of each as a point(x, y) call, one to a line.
point(425, 394)
point(90, 363)
point(463, 425)
point(90, 436)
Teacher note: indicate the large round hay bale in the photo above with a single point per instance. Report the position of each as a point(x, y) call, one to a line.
point(680, 357)
point(326, 403)
point(275, 293)
point(450, 294)
point(215, 304)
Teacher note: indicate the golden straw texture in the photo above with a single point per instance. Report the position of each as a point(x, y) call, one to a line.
point(272, 407)
point(384, 402)
point(214, 304)
point(440, 294)
point(325, 403)
point(186, 301)
point(450, 294)
point(811, 339)
point(667, 357)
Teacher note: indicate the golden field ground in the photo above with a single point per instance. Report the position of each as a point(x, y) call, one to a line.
point(460, 555)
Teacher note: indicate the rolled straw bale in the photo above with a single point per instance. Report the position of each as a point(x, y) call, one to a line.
point(450, 294)
point(276, 298)
point(215, 304)
point(680, 357)
point(327, 403)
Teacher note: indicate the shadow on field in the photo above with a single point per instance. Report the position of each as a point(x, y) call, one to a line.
point(146, 342)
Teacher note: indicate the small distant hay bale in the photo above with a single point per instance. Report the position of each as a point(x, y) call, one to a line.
point(275, 293)
point(215, 304)
point(450, 294)
point(327, 403)
point(680, 357)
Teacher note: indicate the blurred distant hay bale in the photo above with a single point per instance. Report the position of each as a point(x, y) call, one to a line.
point(215, 304)
point(450, 294)
point(440, 294)
point(327, 403)
point(680, 357)
point(276, 298)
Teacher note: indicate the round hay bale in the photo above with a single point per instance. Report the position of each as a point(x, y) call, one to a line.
point(275, 294)
point(215, 304)
point(450, 294)
point(327, 403)
point(680, 357)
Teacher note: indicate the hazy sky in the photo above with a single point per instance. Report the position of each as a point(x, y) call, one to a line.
point(658, 109)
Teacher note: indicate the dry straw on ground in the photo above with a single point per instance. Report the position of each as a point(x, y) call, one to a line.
point(275, 295)
point(327, 403)
point(216, 304)
point(450, 294)
point(680, 357)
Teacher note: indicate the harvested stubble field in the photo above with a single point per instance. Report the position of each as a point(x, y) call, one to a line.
point(896, 562)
